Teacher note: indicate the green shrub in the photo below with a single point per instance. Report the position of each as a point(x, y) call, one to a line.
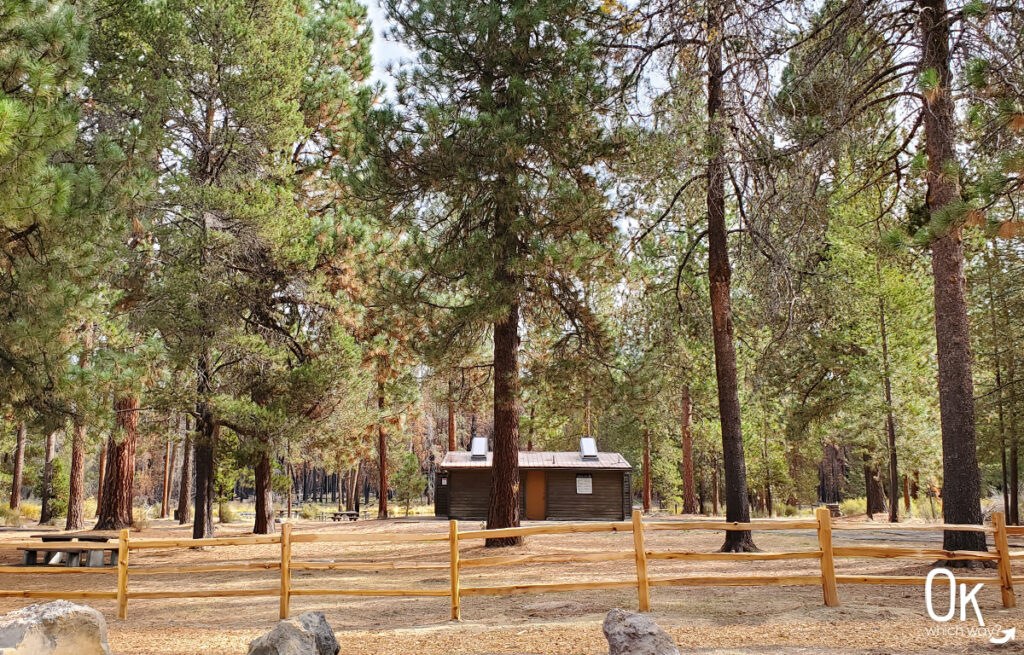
point(853, 506)
point(786, 510)
point(309, 511)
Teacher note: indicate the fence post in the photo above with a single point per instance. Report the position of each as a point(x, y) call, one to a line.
point(453, 553)
point(286, 568)
point(828, 566)
point(643, 590)
point(1003, 548)
point(122, 575)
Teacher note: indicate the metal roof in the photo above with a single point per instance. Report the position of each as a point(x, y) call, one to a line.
point(536, 459)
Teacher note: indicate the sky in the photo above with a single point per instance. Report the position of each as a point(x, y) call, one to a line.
point(384, 52)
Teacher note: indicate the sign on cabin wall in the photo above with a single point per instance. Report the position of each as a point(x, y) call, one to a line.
point(584, 483)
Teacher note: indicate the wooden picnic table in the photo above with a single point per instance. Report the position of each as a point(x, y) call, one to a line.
point(60, 546)
point(351, 516)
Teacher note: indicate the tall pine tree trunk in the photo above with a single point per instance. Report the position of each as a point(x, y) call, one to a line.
point(19, 465)
point(737, 506)
point(76, 487)
point(961, 486)
point(207, 432)
point(185, 485)
point(647, 471)
point(264, 523)
point(686, 427)
point(873, 488)
point(119, 481)
point(890, 421)
point(382, 453)
point(166, 495)
point(503, 510)
point(102, 476)
point(46, 512)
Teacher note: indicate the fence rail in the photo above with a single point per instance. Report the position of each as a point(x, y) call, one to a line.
point(822, 524)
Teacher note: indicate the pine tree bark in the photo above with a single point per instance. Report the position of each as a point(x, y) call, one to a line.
point(119, 481)
point(890, 421)
point(102, 477)
point(166, 491)
point(689, 489)
point(503, 509)
point(382, 453)
point(19, 465)
point(874, 489)
point(202, 522)
point(207, 432)
point(831, 472)
point(76, 486)
point(185, 485)
point(46, 512)
point(647, 471)
point(737, 506)
point(264, 523)
point(961, 487)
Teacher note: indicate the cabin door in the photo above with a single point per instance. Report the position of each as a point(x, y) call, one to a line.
point(536, 495)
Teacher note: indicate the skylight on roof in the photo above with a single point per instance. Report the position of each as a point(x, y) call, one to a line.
point(478, 448)
point(588, 448)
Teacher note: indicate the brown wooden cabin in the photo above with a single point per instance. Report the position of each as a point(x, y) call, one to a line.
point(554, 485)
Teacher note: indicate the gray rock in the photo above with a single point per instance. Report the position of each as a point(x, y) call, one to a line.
point(57, 628)
point(629, 633)
point(316, 623)
point(308, 634)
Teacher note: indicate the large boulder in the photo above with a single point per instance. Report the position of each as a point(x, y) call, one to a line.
point(57, 628)
point(308, 634)
point(629, 633)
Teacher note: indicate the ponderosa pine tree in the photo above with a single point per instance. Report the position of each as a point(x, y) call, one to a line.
point(919, 73)
point(494, 172)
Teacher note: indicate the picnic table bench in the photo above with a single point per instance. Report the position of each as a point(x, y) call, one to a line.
point(73, 548)
point(351, 516)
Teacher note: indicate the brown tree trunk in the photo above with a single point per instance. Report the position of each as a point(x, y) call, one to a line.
point(382, 454)
point(689, 489)
point(874, 490)
point(19, 465)
point(831, 472)
point(503, 509)
point(737, 507)
point(890, 422)
point(46, 512)
point(961, 485)
point(207, 433)
point(166, 496)
point(102, 475)
point(264, 523)
point(906, 494)
point(76, 487)
point(119, 481)
point(714, 488)
point(185, 485)
point(206, 439)
point(647, 471)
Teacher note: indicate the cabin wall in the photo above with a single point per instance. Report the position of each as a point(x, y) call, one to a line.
point(467, 494)
point(604, 503)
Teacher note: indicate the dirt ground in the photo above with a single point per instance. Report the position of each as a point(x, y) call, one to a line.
point(709, 620)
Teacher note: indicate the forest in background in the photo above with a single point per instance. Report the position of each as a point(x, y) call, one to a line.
point(770, 251)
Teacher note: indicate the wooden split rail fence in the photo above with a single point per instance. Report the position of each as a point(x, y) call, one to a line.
point(822, 524)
